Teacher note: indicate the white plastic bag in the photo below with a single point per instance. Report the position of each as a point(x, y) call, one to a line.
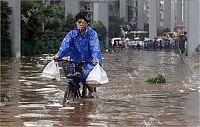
point(97, 76)
point(52, 71)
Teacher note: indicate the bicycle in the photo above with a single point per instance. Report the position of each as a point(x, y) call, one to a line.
point(73, 72)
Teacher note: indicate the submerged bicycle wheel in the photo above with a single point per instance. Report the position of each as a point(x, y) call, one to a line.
point(71, 92)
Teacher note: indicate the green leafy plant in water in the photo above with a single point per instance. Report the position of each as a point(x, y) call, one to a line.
point(156, 80)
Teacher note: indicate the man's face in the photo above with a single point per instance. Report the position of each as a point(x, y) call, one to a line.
point(81, 24)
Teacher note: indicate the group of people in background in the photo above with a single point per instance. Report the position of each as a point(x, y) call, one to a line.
point(163, 42)
point(175, 42)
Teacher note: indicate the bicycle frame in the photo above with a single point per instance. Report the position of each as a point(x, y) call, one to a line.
point(72, 90)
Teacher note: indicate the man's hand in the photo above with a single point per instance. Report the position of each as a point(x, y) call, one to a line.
point(95, 62)
point(55, 57)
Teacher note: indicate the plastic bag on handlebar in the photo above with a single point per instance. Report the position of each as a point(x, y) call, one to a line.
point(97, 76)
point(52, 71)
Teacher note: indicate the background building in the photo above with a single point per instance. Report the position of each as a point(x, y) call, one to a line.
point(157, 14)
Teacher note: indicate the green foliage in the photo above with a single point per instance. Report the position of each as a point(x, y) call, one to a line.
point(39, 47)
point(114, 26)
point(27, 48)
point(156, 80)
point(5, 12)
point(6, 47)
point(31, 22)
point(69, 23)
point(39, 19)
point(5, 22)
point(42, 27)
point(52, 16)
point(102, 32)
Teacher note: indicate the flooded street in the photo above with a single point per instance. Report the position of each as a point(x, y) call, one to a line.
point(27, 100)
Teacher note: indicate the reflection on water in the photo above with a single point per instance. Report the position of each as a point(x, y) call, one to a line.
point(27, 100)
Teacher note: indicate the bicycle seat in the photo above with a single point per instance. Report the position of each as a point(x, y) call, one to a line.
point(70, 75)
point(77, 74)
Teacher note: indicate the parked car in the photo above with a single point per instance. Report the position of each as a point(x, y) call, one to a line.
point(116, 43)
point(135, 43)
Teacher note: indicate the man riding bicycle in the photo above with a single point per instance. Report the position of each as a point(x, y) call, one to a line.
point(83, 44)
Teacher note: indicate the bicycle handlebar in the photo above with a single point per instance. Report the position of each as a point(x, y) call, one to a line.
point(80, 62)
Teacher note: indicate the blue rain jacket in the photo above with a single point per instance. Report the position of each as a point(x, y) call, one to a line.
point(82, 48)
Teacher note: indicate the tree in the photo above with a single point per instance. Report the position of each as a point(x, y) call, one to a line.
point(115, 23)
point(52, 16)
point(102, 32)
point(5, 22)
point(42, 27)
point(5, 12)
point(31, 22)
point(69, 23)
point(39, 19)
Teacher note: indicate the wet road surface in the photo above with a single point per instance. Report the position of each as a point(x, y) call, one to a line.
point(28, 100)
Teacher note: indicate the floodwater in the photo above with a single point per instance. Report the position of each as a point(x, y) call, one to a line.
point(28, 100)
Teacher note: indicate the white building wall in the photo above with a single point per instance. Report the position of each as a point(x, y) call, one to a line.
point(101, 14)
point(140, 14)
point(167, 14)
point(179, 12)
point(72, 7)
point(172, 15)
point(185, 14)
point(152, 19)
point(123, 9)
point(158, 13)
point(193, 25)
